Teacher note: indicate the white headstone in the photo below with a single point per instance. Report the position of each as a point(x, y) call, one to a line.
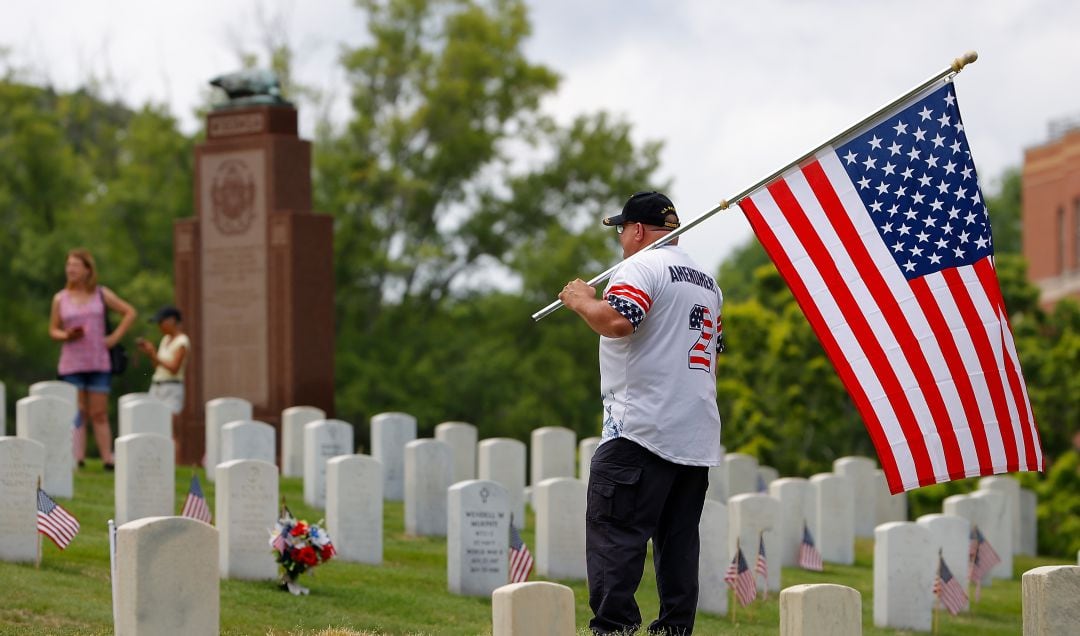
point(560, 528)
point(997, 528)
point(1029, 523)
point(888, 507)
point(551, 453)
point(47, 419)
point(834, 517)
point(55, 388)
point(976, 511)
point(390, 432)
point(905, 564)
point(717, 486)
point(766, 476)
point(796, 500)
point(167, 578)
point(950, 534)
point(477, 538)
point(245, 510)
point(429, 470)
point(751, 517)
point(1051, 595)
point(1009, 487)
point(293, 420)
point(249, 439)
point(129, 397)
point(22, 464)
point(145, 415)
point(713, 558)
point(740, 474)
point(586, 449)
point(354, 508)
point(861, 472)
point(219, 412)
point(145, 484)
point(537, 608)
point(323, 439)
point(502, 460)
point(461, 437)
point(821, 609)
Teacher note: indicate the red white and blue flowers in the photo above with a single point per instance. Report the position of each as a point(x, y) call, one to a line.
point(298, 546)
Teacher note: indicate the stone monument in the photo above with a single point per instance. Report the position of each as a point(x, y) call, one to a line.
point(254, 268)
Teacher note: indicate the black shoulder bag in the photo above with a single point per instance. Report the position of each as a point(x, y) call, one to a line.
point(118, 357)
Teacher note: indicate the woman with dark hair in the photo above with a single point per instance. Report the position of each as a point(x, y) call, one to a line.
point(77, 320)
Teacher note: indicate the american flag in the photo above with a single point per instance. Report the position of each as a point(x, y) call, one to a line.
point(55, 522)
point(741, 579)
point(761, 566)
point(761, 485)
point(885, 242)
point(521, 561)
point(982, 557)
point(195, 504)
point(809, 555)
point(948, 589)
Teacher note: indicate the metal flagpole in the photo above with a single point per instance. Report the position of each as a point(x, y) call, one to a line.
point(112, 569)
point(37, 503)
point(951, 70)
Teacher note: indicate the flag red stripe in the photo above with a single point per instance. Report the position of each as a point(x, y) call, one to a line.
point(959, 373)
point(985, 353)
point(58, 529)
point(843, 367)
point(852, 311)
point(985, 272)
point(632, 293)
point(887, 303)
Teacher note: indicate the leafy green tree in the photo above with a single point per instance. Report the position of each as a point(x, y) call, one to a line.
point(449, 182)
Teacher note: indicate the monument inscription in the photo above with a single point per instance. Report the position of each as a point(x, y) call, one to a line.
point(234, 281)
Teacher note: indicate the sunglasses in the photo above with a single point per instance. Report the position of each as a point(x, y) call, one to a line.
point(619, 228)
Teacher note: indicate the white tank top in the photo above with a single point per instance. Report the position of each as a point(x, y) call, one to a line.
point(659, 383)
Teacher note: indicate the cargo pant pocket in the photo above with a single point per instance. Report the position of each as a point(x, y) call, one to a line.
point(612, 491)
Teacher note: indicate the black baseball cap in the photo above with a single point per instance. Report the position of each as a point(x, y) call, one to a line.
point(168, 311)
point(650, 208)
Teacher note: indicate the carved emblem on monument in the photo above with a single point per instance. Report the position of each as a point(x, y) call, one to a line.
point(233, 195)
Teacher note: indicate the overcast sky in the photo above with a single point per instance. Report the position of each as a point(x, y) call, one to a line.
point(734, 89)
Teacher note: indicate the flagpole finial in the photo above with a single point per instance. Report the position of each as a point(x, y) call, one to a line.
point(965, 59)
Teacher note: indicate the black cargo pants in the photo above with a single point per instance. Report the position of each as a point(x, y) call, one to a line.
point(635, 495)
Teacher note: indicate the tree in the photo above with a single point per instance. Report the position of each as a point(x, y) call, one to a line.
point(449, 182)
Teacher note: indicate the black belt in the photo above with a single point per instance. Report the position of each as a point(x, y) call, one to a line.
point(166, 382)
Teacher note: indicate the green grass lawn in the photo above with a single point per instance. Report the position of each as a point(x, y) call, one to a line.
point(407, 594)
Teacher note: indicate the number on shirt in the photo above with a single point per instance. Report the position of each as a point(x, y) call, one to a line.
point(699, 356)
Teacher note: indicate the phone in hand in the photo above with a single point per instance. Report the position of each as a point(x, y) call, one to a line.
point(76, 332)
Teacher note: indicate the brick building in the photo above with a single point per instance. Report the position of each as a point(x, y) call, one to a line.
point(1051, 214)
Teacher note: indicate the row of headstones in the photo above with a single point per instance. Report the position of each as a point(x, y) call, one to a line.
point(148, 603)
point(47, 414)
point(547, 609)
point(906, 554)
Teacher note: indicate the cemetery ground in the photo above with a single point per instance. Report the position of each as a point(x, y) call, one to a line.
point(407, 594)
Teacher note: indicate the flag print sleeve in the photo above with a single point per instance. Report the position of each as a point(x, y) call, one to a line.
point(631, 291)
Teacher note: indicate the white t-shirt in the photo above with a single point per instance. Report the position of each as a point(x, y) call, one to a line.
point(167, 351)
point(659, 383)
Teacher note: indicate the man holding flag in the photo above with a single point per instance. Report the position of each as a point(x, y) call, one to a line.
point(659, 325)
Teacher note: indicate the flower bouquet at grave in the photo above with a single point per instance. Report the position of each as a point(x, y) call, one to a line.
point(298, 546)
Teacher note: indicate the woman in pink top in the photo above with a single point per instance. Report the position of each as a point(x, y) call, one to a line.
point(77, 319)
